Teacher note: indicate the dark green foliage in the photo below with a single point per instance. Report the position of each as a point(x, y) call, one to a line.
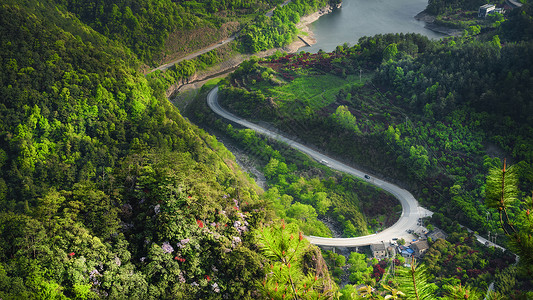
point(302, 199)
point(106, 190)
point(181, 72)
point(144, 26)
point(519, 27)
point(437, 7)
point(461, 260)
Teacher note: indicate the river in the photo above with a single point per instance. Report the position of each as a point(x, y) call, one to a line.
point(358, 18)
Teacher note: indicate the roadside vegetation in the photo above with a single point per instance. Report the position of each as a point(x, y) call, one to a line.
point(432, 112)
point(280, 29)
point(107, 191)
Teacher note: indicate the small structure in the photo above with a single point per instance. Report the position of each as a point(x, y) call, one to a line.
point(420, 248)
point(485, 10)
point(405, 251)
point(437, 234)
point(378, 251)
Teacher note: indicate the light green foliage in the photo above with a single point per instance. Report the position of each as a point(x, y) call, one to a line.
point(103, 181)
point(501, 190)
point(285, 248)
point(460, 292)
point(390, 52)
point(496, 42)
point(419, 159)
point(345, 118)
point(348, 292)
point(413, 281)
point(359, 269)
point(473, 30)
point(394, 293)
point(280, 29)
point(514, 213)
point(316, 91)
point(275, 168)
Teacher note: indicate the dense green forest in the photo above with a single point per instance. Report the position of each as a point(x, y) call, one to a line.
point(440, 114)
point(152, 28)
point(280, 29)
point(448, 106)
point(145, 26)
point(106, 191)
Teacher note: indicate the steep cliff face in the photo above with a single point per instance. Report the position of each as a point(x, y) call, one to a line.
point(314, 263)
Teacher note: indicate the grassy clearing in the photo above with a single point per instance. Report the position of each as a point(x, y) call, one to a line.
point(315, 91)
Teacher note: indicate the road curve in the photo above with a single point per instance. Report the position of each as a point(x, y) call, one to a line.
point(411, 211)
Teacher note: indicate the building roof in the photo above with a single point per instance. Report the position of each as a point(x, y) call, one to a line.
point(487, 6)
point(406, 250)
point(437, 234)
point(420, 245)
point(377, 247)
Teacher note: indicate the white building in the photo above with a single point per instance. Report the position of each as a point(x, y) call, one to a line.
point(485, 10)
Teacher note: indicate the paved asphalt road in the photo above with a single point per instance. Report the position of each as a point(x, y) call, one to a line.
point(411, 211)
point(195, 54)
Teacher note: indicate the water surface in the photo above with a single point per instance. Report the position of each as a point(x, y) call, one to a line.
point(359, 18)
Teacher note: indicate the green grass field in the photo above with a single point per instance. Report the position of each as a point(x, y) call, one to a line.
point(315, 91)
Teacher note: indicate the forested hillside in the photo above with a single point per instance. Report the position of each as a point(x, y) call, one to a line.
point(437, 116)
point(452, 100)
point(145, 26)
point(106, 191)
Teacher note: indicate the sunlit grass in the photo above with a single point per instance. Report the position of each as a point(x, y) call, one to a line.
point(315, 91)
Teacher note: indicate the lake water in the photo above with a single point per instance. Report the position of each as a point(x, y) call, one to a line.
point(357, 18)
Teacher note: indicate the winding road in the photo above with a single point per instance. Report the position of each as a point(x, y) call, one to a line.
point(411, 211)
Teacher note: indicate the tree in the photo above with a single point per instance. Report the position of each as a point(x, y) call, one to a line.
point(501, 193)
point(390, 52)
point(285, 249)
point(413, 281)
